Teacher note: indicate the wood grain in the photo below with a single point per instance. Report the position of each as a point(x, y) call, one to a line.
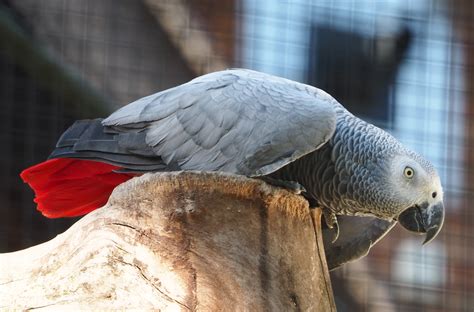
point(177, 242)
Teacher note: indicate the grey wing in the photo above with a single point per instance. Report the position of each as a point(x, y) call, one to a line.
point(237, 121)
point(357, 235)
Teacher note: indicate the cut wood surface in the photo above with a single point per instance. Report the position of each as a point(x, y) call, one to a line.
point(176, 242)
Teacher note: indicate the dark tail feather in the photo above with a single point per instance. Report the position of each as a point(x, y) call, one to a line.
point(88, 139)
point(89, 161)
point(72, 187)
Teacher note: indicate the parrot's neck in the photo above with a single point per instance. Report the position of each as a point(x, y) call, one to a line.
point(340, 175)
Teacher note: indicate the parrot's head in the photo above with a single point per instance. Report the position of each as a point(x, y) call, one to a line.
point(417, 187)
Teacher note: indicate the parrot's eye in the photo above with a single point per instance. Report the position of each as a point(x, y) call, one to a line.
point(409, 172)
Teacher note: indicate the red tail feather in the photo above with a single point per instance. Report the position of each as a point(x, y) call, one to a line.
point(66, 187)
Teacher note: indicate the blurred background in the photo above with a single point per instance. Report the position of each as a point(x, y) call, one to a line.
point(405, 65)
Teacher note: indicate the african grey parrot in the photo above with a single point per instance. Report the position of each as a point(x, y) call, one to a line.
point(261, 126)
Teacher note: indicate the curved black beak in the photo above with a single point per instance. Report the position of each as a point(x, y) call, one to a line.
point(424, 218)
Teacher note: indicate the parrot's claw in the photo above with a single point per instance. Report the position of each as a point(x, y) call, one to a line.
point(331, 221)
point(292, 186)
point(336, 232)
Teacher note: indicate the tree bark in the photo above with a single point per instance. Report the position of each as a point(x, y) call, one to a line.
point(179, 241)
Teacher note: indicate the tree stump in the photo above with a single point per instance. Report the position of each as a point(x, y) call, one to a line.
point(175, 242)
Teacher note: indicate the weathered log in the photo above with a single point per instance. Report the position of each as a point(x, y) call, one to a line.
point(179, 241)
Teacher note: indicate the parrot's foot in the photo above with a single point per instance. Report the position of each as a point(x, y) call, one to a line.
point(331, 221)
point(292, 186)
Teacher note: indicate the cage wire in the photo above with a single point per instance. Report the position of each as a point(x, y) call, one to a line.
point(403, 65)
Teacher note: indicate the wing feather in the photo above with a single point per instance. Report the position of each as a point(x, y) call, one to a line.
point(237, 120)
